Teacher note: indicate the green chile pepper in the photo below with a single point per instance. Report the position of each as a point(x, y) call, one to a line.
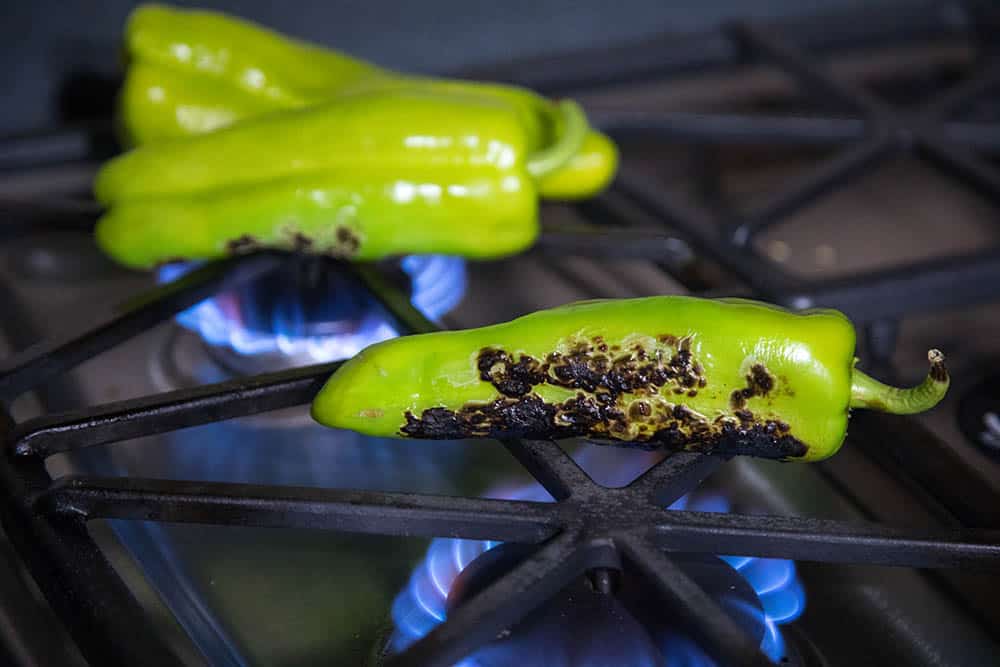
point(195, 71)
point(725, 376)
point(365, 176)
point(226, 63)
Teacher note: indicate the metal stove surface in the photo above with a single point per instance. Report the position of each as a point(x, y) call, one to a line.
point(290, 597)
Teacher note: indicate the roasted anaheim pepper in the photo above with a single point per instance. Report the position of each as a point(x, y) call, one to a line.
point(195, 71)
point(364, 176)
point(727, 376)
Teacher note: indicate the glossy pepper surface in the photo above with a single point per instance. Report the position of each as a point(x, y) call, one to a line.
point(365, 176)
point(195, 71)
point(726, 376)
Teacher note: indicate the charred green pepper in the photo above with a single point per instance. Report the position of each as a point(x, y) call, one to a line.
point(195, 71)
point(726, 376)
point(365, 176)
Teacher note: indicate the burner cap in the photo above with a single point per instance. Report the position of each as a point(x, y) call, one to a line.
point(583, 626)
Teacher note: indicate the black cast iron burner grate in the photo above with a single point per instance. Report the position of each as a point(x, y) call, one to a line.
point(590, 527)
point(879, 134)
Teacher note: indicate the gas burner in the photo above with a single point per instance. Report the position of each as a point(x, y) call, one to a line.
point(309, 311)
point(761, 594)
point(585, 626)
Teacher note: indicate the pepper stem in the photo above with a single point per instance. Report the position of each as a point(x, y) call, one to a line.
point(570, 141)
point(869, 393)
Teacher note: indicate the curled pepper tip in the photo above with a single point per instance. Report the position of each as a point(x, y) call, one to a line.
point(938, 372)
point(870, 394)
point(568, 144)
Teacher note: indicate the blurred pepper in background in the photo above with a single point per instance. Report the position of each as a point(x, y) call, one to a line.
point(244, 139)
point(194, 71)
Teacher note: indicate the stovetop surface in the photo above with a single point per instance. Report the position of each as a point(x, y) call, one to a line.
point(297, 597)
point(294, 597)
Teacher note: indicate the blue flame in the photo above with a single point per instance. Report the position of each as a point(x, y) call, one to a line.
point(421, 605)
point(438, 285)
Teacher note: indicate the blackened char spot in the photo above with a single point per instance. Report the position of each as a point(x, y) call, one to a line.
point(588, 367)
point(522, 417)
point(600, 374)
point(301, 242)
point(503, 417)
point(347, 242)
point(509, 377)
point(529, 416)
point(434, 424)
point(754, 440)
point(580, 368)
point(242, 244)
point(738, 399)
point(760, 382)
point(583, 415)
point(681, 360)
point(600, 378)
point(639, 409)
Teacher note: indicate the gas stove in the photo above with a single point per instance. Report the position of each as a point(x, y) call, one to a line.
point(198, 516)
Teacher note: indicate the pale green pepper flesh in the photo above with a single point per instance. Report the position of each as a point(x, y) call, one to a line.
point(722, 376)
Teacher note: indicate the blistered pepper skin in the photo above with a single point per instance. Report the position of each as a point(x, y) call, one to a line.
point(196, 71)
point(730, 377)
point(364, 177)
